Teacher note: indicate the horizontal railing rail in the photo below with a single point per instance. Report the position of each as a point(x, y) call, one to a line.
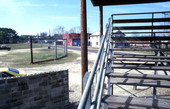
point(143, 13)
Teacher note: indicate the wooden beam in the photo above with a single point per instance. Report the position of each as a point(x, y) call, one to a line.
point(142, 20)
point(101, 20)
point(84, 39)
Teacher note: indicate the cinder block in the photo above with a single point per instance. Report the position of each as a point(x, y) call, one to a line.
point(26, 92)
point(2, 82)
point(22, 86)
point(18, 103)
point(6, 106)
point(12, 80)
point(44, 83)
point(12, 100)
point(16, 94)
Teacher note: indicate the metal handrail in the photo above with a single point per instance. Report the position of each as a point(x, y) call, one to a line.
point(90, 80)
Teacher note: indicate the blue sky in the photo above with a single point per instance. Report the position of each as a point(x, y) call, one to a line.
point(35, 16)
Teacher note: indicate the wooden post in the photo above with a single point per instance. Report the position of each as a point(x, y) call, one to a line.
point(101, 20)
point(31, 51)
point(84, 39)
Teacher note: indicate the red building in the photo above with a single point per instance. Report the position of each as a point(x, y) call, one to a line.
point(73, 39)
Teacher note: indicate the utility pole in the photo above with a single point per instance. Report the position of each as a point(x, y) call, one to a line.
point(84, 39)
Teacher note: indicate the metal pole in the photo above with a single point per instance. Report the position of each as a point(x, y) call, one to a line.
point(84, 52)
point(31, 50)
point(55, 48)
point(65, 47)
point(101, 20)
point(152, 25)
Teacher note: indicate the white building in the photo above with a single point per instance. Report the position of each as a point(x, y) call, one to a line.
point(95, 40)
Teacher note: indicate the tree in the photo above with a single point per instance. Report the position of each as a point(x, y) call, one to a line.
point(8, 35)
point(75, 30)
point(43, 34)
point(59, 31)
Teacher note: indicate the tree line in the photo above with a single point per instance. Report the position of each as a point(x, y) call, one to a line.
point(9, 36)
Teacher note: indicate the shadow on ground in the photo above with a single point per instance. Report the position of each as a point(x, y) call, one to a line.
point(71, 106)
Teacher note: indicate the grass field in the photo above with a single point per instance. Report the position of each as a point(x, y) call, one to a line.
point(19, 56)
point(46, 54)
point(21, 46)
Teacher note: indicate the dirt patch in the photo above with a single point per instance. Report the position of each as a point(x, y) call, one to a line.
point(3, 53)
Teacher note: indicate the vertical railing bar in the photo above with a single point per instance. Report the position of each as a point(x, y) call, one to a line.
point(152, 25)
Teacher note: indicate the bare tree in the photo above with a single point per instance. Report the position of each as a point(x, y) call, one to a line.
point(59, 31)
point(75, 30)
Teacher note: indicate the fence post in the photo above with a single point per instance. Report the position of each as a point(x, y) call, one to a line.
point(31, 51)
point(65, 47)
point(55, 49)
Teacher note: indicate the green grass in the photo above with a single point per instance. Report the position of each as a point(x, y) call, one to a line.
point(45, 54)
point(21, 46)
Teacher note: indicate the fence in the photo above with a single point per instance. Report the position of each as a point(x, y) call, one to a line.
point(50, 49)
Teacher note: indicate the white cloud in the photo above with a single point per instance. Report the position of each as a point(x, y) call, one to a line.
point(9, 3)
point(28, 4)
point(63, 18)
point(10, 8)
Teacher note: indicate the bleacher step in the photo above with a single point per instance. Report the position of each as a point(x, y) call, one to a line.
point(123, 102)
point(139, 76)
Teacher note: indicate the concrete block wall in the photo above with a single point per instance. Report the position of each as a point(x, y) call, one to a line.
point(40, 91)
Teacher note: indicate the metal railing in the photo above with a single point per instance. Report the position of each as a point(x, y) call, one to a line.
point(97, 75)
